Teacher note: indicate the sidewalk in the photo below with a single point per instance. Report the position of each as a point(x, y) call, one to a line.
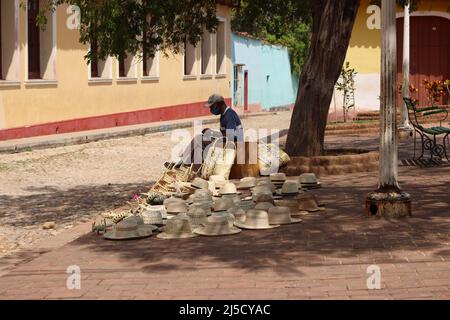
point(325, 257)
point(65, 139)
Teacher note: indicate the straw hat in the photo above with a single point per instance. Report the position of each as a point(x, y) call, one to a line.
point(308, 203)
point(308, 178)
point(247, 205)
point(177, 207)
point(152, 217)
point(264, 198)
point(172, 200)
point(281, 215)
point(290, 187)
point(246, 183)
point(264, 206)
point(233, 197)
point(200, 183)
point(177, 228)
point(238, 213)
point(218, 180)
point(228, 188)
point(223, 204)
point(217, 226)
point(259, 191)
point(161, 209)
point(278, 177)
point(140, 222)
point(127, 230)
point(230, 217)
point(267, 184)
point(256, 220)
point(198, 216)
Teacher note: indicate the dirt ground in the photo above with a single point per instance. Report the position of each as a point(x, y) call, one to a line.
point(73, 184)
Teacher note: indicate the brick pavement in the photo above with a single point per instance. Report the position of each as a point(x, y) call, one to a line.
point(325, 257)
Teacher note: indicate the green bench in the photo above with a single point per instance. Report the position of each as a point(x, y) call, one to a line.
point(429, 135)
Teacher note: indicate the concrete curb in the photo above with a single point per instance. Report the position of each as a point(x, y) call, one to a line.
point(53, 141)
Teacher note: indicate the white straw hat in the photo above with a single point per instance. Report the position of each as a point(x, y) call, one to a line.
point(278, 177)
point(233, 197)
point(264, 206)
point(223, 204)
point(290, 187)
point(227, 215)
point(281, 215)
point(177, 207)
point(268, 184)
point(256, 220)
point(216, 226)
point(152, 217)
point(198, 216)
point(247, 205)
point(200, 183)
point(127, 230)
point(218, 180)
point(308, 203)
point(172, 200)
point(308, 178)
point(228, 189)
point(238, 213)
point(247, 183)
point(161, 209)
point(177, 228)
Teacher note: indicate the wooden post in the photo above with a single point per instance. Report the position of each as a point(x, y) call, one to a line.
point(388, 201)
point(406, 69)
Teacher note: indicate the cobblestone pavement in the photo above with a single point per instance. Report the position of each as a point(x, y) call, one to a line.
point(72, 184)
point(325, 257)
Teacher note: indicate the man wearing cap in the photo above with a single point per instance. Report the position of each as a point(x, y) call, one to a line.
point(230, 123)
point(230, 127)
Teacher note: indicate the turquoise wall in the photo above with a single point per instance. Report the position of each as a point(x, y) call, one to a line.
point(271, 83)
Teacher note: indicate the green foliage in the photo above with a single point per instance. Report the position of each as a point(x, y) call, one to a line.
point(283, 22)
point(346, 85)
point(118, 27)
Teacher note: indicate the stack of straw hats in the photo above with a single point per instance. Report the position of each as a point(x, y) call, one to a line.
point(179, 227)
point(309, 181)
point(217, 226)
point(128, 229)
point(256, 220)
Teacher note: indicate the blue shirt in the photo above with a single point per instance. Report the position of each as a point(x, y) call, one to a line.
point(231, 124)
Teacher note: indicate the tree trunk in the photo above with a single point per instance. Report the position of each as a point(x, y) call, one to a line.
point(332, 28)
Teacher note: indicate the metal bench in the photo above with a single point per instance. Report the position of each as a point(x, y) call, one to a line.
point(429, 135)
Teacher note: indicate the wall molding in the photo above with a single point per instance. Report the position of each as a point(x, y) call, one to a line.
point(175, 112)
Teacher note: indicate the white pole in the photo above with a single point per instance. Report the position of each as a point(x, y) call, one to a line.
point(406, 69)
point(388, 139)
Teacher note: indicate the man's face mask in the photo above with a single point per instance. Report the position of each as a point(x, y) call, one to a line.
point(215, 109)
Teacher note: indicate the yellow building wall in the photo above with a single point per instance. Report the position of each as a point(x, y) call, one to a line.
point(75, 97)
point(364, 54)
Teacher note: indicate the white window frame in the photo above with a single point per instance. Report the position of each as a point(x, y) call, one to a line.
point(156, 77)
point(133, 67)
point(16, 60)
point(210, 68)
point(217, 73)
point(42, 82)
point(108, 79)
point(194, 67)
